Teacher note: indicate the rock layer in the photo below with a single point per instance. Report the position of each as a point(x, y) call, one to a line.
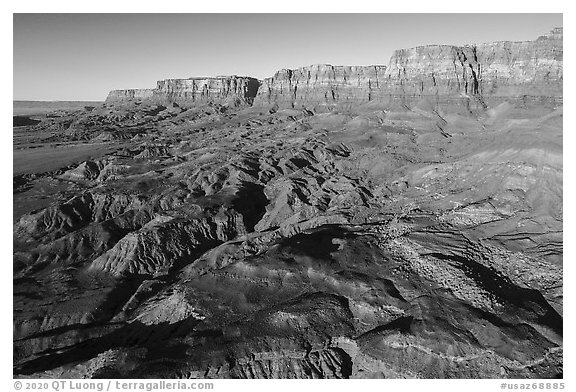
point(440, 73)
point(490, 69)
point(129, 95)
point(322, 84)
point(220, 89)
point(203, 90)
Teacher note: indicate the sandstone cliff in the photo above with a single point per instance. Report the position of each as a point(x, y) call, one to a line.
point(220, 89)
point(507, 69)
point(203, 90)
point(439, 73)
point(129, 95)
point(322, 84)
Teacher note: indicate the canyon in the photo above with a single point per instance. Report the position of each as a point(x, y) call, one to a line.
point(383, 221)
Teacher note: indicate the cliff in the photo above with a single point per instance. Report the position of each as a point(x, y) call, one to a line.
point(321, 84)
point(236, 89)
point(440, 73)
point(129, 95)
point(204, 90)
point(499, 69)
point(443, 74)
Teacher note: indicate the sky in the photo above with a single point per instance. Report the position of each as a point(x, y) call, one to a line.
point(58, 57)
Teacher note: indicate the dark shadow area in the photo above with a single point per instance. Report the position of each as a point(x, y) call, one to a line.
point(252, 87)
point(251, 202)
point(21, 121)
point(21, 183)
point(155, 111)
point(401, 324)
point(528, 299)
point(318, 244)
point(153, 337)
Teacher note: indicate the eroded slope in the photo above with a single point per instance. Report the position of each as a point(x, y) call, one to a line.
point(379, 241)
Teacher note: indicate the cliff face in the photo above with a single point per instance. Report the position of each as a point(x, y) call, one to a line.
point(442, 73)
point(493, 69)
point(194, 91)
point(203, 90)
point(321, 84)
point(129, 95)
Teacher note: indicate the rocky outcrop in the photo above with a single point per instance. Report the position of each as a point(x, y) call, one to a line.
point(162, 242)
point(60, 219)
point(321, 85)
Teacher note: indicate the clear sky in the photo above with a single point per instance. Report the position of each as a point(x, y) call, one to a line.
point(83, 56)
